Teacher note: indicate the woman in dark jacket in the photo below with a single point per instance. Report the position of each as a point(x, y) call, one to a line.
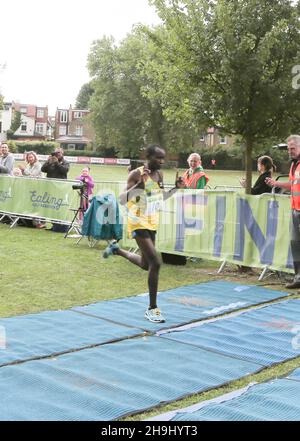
point(265, 167)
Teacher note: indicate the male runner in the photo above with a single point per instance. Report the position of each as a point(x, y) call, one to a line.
point(144, 195)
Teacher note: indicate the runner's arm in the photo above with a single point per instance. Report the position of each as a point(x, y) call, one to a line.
point(132, 188)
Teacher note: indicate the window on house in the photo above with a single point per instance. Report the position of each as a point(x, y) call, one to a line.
point(63, 116)
point(77, 115)
point(23, 109)
point(223, 140)
point(23, 126)
point(0, 126)
point(39, 128)
point(40, 113)
point(79, 131)
point(62, 130)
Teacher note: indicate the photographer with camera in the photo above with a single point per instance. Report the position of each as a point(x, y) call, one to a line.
point(56, 166)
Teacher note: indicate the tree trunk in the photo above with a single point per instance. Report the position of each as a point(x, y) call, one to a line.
point(248, 164)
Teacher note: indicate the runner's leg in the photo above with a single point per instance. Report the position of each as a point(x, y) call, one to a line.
point(149, 253)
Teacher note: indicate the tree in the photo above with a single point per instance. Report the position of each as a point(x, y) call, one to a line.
point(123, 115)
point(228, 64)
point(15, 124)
point(84, 95)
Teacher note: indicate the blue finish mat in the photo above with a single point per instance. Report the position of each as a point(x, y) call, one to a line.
point(267, 335)
point(38, 335)
point(295, 375)
point(184, 304)
point(278, 400)
point(110, 381)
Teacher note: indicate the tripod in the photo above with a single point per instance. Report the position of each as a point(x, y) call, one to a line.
point(79, 213)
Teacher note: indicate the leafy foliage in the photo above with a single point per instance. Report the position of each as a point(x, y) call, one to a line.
point(228, 64)
point(83, 98)
point(15, 124)
point(124, 116)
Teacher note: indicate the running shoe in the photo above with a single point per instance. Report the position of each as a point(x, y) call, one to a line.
point(154, 315)
point(111, 249)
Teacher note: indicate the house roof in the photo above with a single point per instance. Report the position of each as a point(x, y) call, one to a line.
point(73, 139)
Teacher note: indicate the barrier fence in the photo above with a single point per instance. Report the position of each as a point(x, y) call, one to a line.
point(216, 225)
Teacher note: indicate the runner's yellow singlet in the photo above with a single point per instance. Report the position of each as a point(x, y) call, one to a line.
point(143, 210)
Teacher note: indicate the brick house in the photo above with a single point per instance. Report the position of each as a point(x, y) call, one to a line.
point(212, 138)
point(34, 121)
point(73, 130)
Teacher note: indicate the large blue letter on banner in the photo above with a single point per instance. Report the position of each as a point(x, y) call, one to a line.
point(182, 222)
point(246, 219)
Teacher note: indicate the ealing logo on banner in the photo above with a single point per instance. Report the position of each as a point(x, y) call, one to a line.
point(2, 338)
point(47, 201)
point(5, 195)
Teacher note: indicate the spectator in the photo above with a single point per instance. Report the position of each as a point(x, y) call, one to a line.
point(88, 188)
point(195, 177)
point(17, 172)
point(213, 163)
point(6, 160)
point(56, 166)
point(33, 166)
point(293, 143)
point(87, 179)
point(265, 168)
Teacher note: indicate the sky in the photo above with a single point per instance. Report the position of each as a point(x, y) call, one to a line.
point(45, 44)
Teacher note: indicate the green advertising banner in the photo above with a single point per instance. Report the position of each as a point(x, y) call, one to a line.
point(215, 225)
point(226, 226)
point(242, 229)
point(48, 199)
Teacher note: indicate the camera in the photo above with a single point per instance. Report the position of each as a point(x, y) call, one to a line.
point(53, 154)
point(80, 186)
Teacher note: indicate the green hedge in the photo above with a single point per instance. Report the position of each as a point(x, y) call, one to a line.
point(88, 153)
point(226, 159)
point(233, 159)
point(41, 148)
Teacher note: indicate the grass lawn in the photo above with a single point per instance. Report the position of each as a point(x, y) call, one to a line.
point(43, 271)
point(119, 173)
